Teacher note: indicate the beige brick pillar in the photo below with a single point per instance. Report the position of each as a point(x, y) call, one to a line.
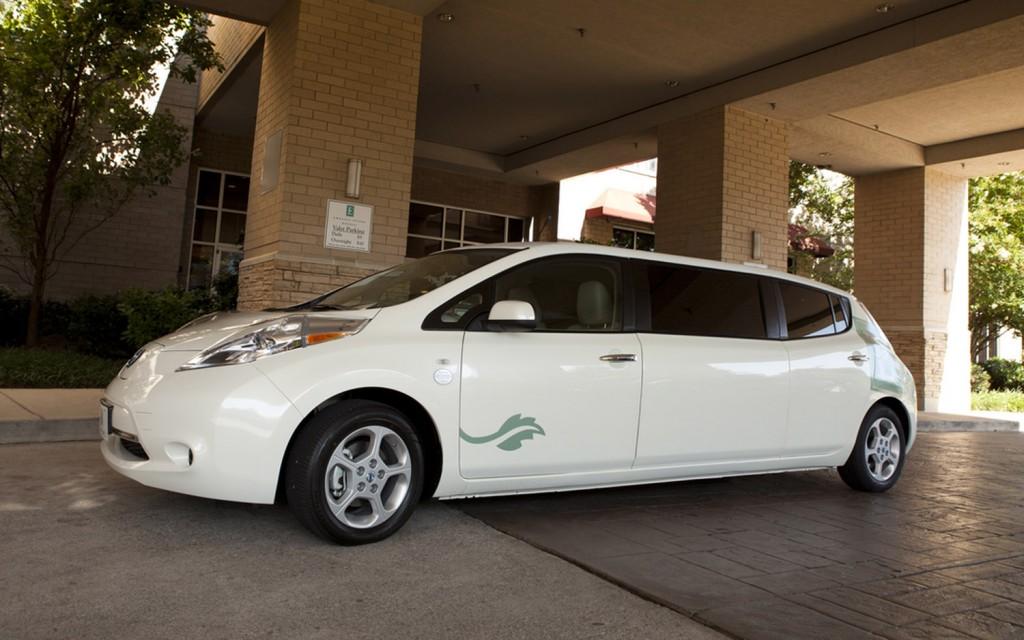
point(339, 80)
point(911, 271)
point(723, 174)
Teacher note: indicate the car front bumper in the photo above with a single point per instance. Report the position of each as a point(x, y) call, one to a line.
point(216, 433)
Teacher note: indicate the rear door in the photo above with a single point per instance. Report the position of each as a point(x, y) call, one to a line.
point(830, 372)
point(562, 398)
point(716, 383)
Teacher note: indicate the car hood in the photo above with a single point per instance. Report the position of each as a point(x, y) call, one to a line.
point(208, 330)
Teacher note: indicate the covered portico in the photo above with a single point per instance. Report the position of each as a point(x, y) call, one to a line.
point(462, 116)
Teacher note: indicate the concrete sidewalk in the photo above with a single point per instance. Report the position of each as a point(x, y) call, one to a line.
point(49, 415)
point(59, 415)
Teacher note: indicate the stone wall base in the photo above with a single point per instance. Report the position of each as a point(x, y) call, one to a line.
point(277, 281)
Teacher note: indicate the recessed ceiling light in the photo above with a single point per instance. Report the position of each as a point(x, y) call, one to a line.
point(824, 154)
point(1003, 164)
point(445, 17)
point(524, 137)
point(885, 7)
point(671, 83)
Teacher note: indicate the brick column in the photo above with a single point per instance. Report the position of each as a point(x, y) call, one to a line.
point(722, 175)
point(911, 272)
point(339, 80)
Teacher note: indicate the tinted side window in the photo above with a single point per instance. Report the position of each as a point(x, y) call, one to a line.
point(575, 294)
point(808, 311)
point(841, 310)
point(705, 302)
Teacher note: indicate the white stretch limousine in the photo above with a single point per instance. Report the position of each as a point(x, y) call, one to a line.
point(513, 368)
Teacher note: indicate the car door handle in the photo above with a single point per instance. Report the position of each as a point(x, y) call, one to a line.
point(858, 357)
point(619, 357)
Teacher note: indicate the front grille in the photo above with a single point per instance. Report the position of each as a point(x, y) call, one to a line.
point(135, 449)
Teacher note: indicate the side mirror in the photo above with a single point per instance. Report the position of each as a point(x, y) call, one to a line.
point(512, 315)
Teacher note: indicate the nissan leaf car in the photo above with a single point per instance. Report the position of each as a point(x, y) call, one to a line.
point(505, 369)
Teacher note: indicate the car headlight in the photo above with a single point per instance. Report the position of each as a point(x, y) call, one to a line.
point(274, 336)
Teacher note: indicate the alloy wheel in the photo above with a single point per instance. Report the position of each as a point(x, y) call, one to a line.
point(882, 449)
point(368, 477)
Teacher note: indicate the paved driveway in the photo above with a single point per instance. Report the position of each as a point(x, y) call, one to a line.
point(800, 555)
point(85, 553)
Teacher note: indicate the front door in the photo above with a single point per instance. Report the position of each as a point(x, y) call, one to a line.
point(563, 398)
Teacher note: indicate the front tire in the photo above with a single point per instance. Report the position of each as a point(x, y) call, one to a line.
point(355, 472)
point(876, 462)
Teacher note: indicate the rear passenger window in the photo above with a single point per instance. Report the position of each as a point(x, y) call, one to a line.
point(808, 311)
point(841, 312)
point(705, 302)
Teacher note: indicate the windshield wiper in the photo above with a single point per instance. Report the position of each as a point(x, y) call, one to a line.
point(324, 307)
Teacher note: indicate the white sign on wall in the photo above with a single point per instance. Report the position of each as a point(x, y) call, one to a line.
point(348, 226)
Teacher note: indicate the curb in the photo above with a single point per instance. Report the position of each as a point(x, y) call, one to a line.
point(37, 431)
point(974, 425)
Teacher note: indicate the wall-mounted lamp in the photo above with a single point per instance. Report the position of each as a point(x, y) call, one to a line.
point(355, 176)
point(755, 248)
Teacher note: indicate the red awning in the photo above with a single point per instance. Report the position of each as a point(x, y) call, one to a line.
point(624, 205)
point(801, 240)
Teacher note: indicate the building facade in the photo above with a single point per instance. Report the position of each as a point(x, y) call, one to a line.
point(344, 136)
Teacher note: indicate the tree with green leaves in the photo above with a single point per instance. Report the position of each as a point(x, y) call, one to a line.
point(77, 139)
point(822, 203)
point(996, 237)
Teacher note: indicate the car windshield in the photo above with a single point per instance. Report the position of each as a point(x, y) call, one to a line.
point(406, 281)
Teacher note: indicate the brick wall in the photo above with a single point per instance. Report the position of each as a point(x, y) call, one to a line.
point(232, 39)
point(141, 245)
point(723, 174)
point(910, 227)
point(340, 81)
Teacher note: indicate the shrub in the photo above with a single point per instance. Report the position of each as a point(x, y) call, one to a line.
point(25, 368)
point(97, 327)
point(980, 380)
point(151, 314)
point(225, 291)
point(14, 318)
point(1006, 375)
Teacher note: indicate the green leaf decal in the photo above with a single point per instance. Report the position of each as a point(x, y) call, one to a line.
point(512, 433)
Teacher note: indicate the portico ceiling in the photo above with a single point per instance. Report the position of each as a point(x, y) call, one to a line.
point(544, 89)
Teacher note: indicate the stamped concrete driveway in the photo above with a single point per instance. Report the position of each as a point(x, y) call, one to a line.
point(800, 555)
point(85, 553)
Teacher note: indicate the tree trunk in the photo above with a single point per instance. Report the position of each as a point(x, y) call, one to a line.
point(35, 308)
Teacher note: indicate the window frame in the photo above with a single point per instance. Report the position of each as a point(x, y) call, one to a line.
point(636, 234)
point(844, 301)
point(461, 241)
point(475, 321)
point(219, 248)
point(641, 285)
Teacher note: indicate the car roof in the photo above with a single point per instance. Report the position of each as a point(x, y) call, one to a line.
point(538, 249)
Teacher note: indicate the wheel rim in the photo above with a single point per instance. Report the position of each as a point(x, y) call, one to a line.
point(882, 449)
point(368, 477)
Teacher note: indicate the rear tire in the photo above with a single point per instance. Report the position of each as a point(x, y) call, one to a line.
point(355, 472)
point(876, 462)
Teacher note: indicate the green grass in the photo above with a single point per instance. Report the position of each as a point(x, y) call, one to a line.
point(998, 401)
point(25, 368)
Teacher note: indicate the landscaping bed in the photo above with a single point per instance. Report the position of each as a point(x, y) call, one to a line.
point(998, 401)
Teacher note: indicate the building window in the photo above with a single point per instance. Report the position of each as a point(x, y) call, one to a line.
point(632, 239)
point(433, 227)
point(218, 228)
